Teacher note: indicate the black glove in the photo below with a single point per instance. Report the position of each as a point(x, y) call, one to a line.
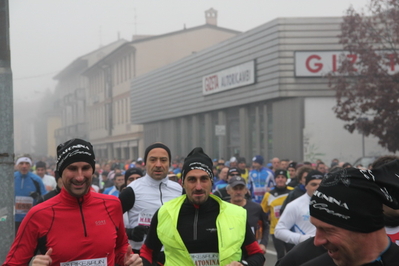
point(137, 234)
point(36, 196)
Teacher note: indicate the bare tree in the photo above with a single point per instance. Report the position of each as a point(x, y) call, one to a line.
point(367, 81)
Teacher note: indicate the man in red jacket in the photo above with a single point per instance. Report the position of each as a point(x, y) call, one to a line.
point(77, 226)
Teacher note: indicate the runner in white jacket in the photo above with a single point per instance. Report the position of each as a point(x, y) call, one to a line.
point(294, 225)
point(143, 197)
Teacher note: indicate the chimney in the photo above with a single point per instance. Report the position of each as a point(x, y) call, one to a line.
point(211, 17)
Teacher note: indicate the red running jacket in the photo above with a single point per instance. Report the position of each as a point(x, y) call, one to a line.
point(88, 228)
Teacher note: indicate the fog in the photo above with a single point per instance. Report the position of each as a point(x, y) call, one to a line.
point(47, 35)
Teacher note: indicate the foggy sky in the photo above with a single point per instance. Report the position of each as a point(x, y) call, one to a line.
point(47, 35)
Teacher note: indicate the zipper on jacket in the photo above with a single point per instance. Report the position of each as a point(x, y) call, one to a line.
point(80, 201)
point(160, 192)
point(195, 224)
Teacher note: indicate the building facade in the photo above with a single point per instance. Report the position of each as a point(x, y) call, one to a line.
point(261, 92)
point(108, 102)
point(71, 91)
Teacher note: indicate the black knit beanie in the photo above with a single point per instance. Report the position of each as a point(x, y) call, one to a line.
point(74, 150)
point(314, 174)
point(157, 145)
point(352, 198)
point(197, 159)
point(132, 171)
point(40, 164)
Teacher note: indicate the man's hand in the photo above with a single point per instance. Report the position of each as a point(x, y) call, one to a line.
point(45, 259)
point(263, 248)
point(132, 259)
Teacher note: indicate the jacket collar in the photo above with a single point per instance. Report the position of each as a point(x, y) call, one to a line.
point(152, 182)
point(71, 200)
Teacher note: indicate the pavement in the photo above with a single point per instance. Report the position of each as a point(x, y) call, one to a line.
point(271, 255)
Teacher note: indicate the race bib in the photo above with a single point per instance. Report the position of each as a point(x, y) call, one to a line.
point(23, 204)
point(259, 191)
point(209, 259)
point(145, 218)
point(277, 211)
point(90, 262)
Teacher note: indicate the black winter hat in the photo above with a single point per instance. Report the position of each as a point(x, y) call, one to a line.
point(132, 171)
point(352, 198)
point(241, 160)
point(281, 172)
point(197, 159)
point(292, 165)
point(232, 170)
point(74, 150)
point(314, 174)
point(154, 146)
point(40, 164)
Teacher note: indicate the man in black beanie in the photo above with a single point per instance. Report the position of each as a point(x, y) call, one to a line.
point(201, 220)
point(132, 174)
point(347, 210)
point(48, 180)
point(76, 215)
point(141, 198)
point(294, 225)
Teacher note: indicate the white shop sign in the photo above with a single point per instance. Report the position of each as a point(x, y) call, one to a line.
point(229, 78)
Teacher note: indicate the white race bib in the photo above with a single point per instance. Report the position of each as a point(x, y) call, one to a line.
point(145, 218)
point(209, 259)
point(277, 211)
point(23, 204)
point(259, 191)
point(90, 262)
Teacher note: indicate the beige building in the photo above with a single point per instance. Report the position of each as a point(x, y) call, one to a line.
point(108, 96)
point(93, 91)
point(71, 94)
point(53, 123)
